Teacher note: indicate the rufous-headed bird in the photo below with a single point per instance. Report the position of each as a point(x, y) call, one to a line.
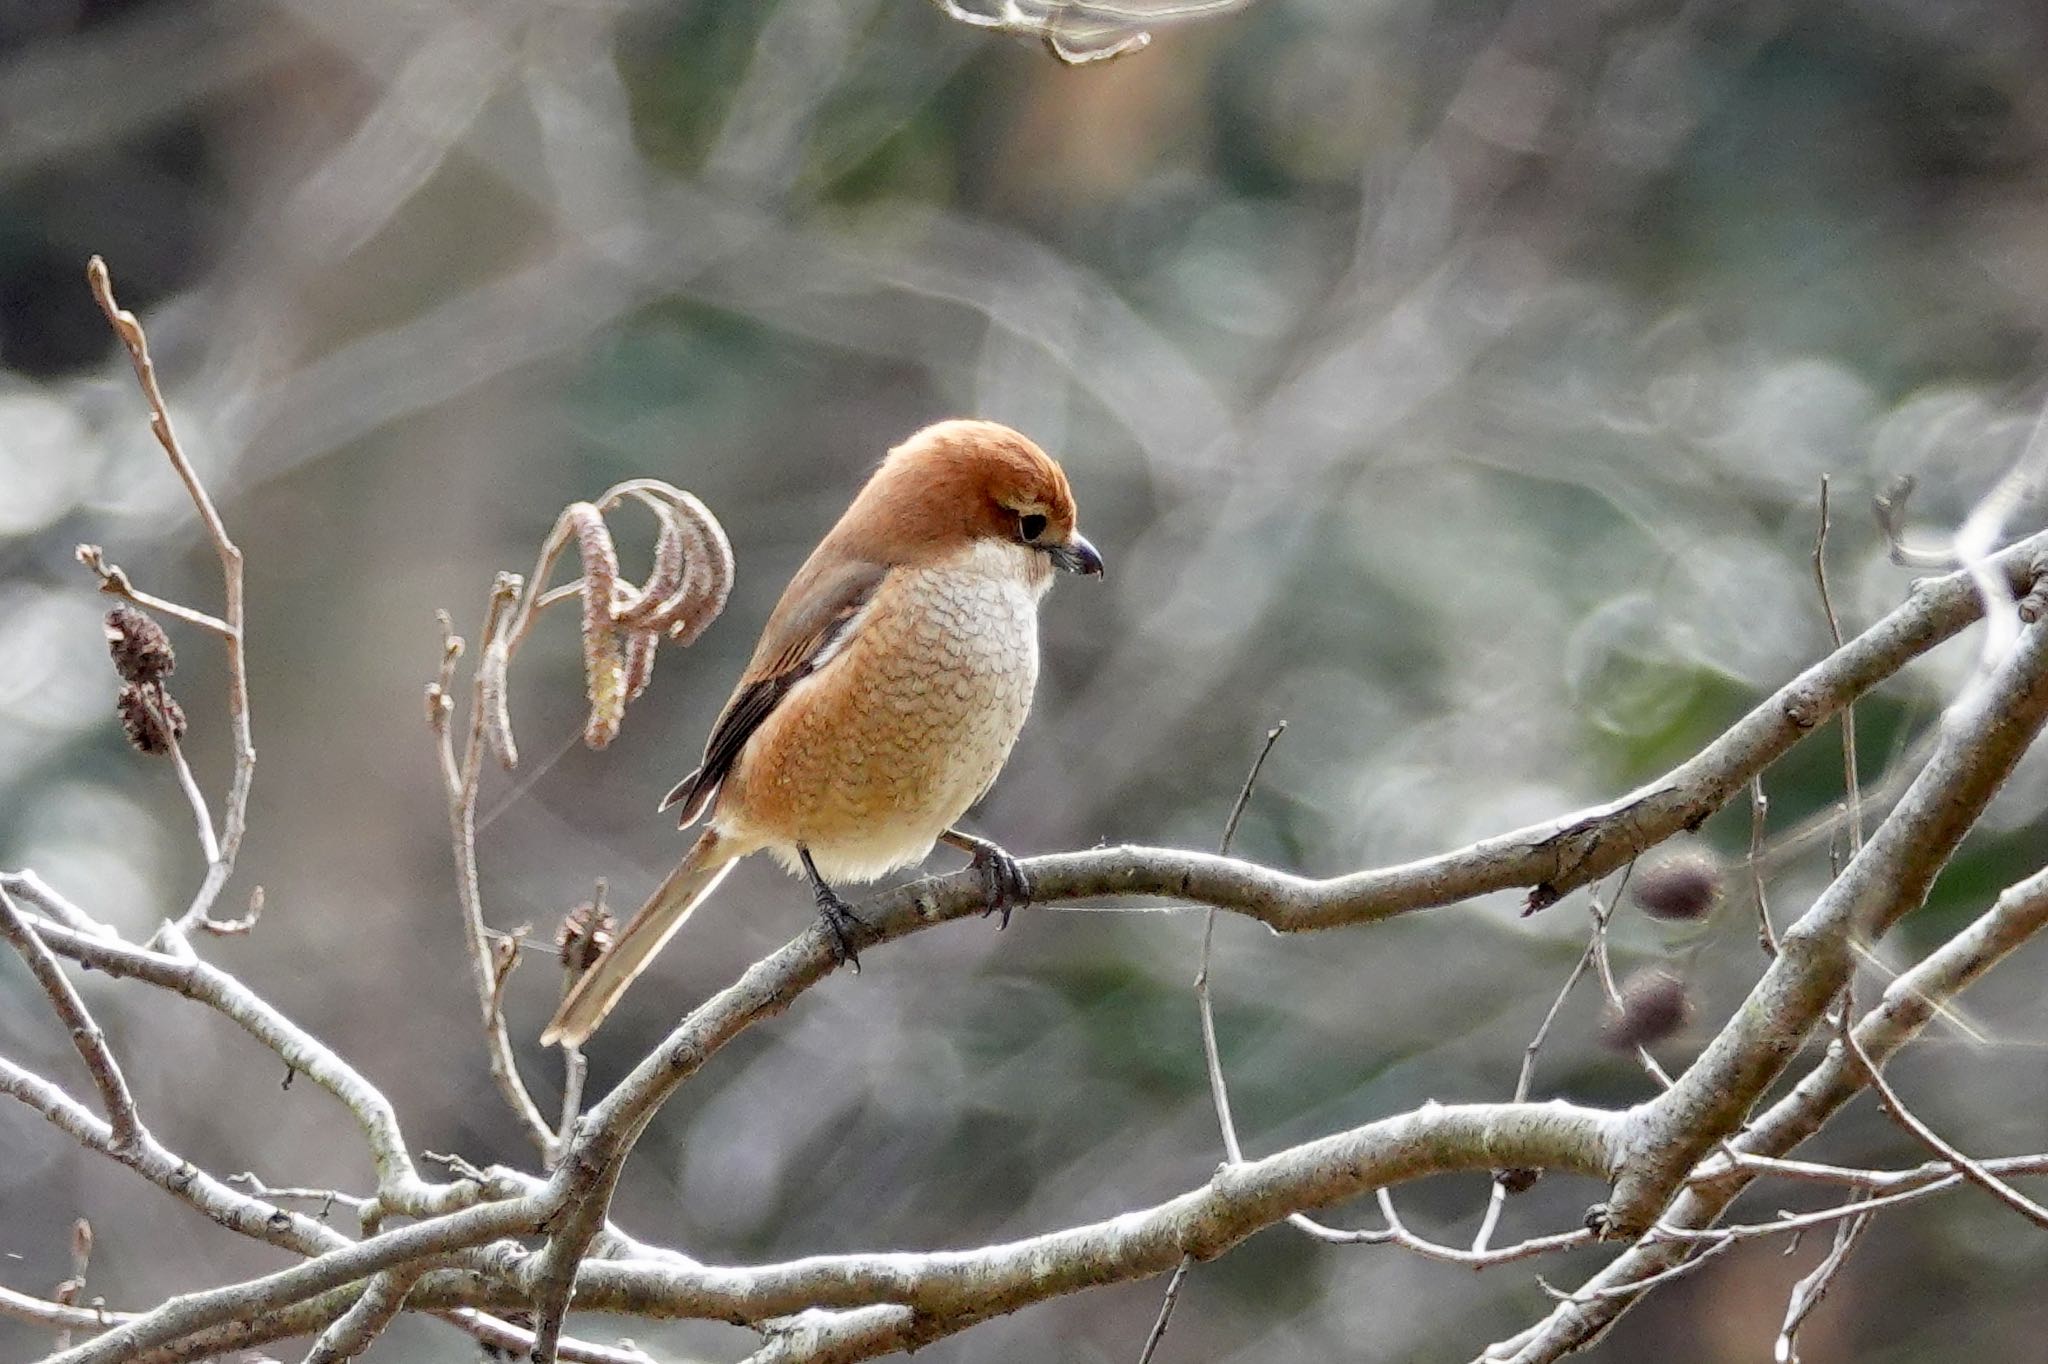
point(888, 687)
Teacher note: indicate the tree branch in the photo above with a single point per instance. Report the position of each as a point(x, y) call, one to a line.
point(124, 1127)
point(1909, 1003)
point(232, 629)
point(1887, 879)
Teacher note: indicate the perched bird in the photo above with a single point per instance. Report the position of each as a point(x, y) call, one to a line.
point(887, 689)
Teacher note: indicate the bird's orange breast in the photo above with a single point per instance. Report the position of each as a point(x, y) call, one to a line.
point(904, 726)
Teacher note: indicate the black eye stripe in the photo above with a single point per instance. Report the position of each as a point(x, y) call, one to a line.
point(1030, 527)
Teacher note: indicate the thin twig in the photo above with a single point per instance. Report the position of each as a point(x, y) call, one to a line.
point(1396, 1233)
point(232, 627)
point(1759, 811)
point(1808, 1292)
point(114, 582)
point(1815, 1172)
point(1971, 1170)
point(1910, 1003)
point(1889, 507)
point(1497, 1196)
point(124, 1124)
point(72, 1289)
point(1685, 1266)
point(459, 779)
point(1158, 1331)
point(1219, 1089)
point(1851, 785)
point(58, 1316)
point(1601, 914)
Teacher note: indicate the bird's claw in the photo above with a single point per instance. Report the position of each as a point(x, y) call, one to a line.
point(1004, 882)
point(844, 927)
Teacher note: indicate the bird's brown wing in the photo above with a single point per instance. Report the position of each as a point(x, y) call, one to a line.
point(805, 629)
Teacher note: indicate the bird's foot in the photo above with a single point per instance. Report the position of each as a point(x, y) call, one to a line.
point(1004, 883)
point(842, 925)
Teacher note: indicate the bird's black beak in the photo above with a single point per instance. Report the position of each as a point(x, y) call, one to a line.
point(1076, 556)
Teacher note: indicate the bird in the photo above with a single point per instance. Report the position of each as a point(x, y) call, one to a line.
point(888, 687)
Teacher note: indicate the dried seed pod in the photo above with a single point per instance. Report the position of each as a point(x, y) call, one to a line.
point(640, 647)
point(585, 933)
point(604, 659)
point(140, 648)
point(1654, 1005)
point(664, 580)
point(151, 717)
point(1683, 885)
point(707, 580)
point(604, 675)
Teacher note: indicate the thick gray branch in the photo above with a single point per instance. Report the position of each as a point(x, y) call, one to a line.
point(1888, 879)
point(1910, 1002)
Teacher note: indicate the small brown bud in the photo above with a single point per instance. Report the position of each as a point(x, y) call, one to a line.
point(585, 933)
point(141, 650)
point(1654, 1005)
point(151, 717)
point(1683, 885)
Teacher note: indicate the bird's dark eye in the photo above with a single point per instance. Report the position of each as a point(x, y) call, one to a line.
point(1030, 527)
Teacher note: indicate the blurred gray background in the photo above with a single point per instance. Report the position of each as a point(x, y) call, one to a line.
point(1452, 380)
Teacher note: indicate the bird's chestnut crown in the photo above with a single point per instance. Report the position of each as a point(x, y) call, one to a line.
point(960, 481)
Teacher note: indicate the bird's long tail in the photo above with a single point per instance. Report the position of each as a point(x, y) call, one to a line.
point(599, 988)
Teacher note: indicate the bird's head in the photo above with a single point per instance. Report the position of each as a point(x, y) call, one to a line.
point(958, 485)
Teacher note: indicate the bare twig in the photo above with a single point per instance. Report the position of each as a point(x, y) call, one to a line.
point(72, 1289)
point(1497, 1196)
point(1851, 786)
point(1219, 1089)
point(124, 1126)
point(1166, 1304)
point(1976, 537)
point(1889, 507)
point(1808, 1292)
point(168, 1171)
point(1889, 877)
point(1604, 968)
point(232, 627)
point(1972, 1170)
point(459, 780)
point(1815, 1172)
point(1910, 1002)
point(1759, 812)
point(58, 1316)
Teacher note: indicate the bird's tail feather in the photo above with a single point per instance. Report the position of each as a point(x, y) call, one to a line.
point(650, 928)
